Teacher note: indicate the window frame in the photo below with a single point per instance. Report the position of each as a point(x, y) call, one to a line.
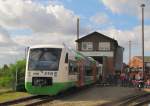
point(104, 48)
point(89, 46)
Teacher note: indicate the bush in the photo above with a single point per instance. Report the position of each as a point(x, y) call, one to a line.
point(5, 82)
point(8, 75)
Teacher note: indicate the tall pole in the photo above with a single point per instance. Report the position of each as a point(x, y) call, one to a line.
point(16, 80)
point(129, 54)
point(77, 33)
point(129, 51)
point(25, 52)
point(142, 6)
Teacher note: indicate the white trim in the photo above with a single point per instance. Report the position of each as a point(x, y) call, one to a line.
point(89, 46)
point(104, 46)
point(109, 54)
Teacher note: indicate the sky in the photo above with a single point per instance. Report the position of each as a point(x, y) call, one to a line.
point(25, 23)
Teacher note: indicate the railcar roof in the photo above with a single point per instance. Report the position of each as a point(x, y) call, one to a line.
point(47, 46)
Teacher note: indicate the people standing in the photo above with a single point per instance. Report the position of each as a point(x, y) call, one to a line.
point(122, 78)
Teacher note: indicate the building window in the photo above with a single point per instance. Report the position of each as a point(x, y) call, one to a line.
point(104, 46)
point(87, 46)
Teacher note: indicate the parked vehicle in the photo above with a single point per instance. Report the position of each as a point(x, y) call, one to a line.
point(53, 69)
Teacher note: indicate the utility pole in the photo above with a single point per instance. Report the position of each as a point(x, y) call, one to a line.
point(129, 51)
point(16, 79)
point(25, 52)
point(129, 54)
point(77, 33)
point(142, 6)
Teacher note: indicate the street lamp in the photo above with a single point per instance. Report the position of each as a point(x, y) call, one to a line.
point(142, 6)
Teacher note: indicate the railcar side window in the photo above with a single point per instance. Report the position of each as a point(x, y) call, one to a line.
point(66, 58)
point(88, 71)
point(72, 67)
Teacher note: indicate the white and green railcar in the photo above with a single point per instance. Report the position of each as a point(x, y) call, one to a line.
point(52, 69)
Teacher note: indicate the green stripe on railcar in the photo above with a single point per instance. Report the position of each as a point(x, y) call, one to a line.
point(48, 90)
point(88, 82)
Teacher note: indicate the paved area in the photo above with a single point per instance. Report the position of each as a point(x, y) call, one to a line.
point(147, 89)
point(94, 96)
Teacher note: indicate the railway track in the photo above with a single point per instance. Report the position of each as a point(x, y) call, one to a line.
point(28, 101)
point(143, 100)
point(41, 99)
point(132, 100)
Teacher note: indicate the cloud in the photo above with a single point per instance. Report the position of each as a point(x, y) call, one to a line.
point(9, 49)
point(122, 36)
point(53, 38)
point(5, 39)
point(135, 35)
point(51, 23)
point(130, 7)
point(100, 18)
point(54, 24)
point(37, 17)
point(48, 24)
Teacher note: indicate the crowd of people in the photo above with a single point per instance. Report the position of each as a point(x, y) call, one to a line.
point(130, 79)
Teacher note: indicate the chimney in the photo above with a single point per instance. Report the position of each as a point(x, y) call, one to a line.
point(77, 33)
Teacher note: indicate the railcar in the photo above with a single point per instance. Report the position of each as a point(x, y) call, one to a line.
point(53, 69)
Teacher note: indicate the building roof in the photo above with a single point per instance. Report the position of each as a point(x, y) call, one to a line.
point(99, 34)
point(146, 58)
point(121, 47)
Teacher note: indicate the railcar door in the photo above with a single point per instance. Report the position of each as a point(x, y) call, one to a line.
point(81, 74)
point(94, 72)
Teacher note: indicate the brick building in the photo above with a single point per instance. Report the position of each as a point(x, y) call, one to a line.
point(136, 63)
point(103, 49)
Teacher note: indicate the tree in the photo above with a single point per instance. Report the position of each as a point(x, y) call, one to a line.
point(5, 67)
point(8, 76)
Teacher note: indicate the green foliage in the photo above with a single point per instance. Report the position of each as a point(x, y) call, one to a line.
point(5, 81)
point(8, 75)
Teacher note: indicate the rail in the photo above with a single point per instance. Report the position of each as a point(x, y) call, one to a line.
point(25, 100)
point(129, 100)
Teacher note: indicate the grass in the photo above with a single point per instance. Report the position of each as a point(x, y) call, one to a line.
point(5, 90)
point(12, 95)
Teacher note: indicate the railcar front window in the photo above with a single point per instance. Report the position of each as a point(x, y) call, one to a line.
point(44, 59)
